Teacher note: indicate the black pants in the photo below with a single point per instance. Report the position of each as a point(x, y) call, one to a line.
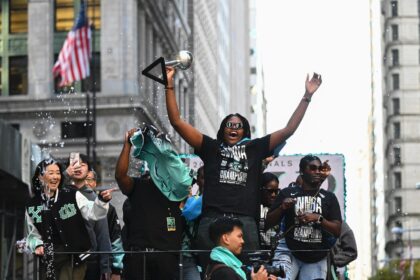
point(92, 271)
point(162, 266)
point(64, 269)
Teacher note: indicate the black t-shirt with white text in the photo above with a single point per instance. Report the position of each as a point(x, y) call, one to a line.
point(308, 236)
point(232, 175)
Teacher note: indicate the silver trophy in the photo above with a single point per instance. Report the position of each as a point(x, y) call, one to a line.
point(182, 61)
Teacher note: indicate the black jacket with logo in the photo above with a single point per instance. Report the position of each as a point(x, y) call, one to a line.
point(67, 220)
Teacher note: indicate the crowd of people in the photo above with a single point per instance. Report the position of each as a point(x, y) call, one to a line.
point(236, 209)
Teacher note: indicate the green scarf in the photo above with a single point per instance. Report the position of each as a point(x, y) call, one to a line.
point(223, 255)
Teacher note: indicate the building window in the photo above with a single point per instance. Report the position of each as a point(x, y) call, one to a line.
point(95, 75)
point(18, 75)
point(15, 126)
point(397, 155)
point(397, 130)
point(396, 106)
point(94, 13)
point(71, 130)
point(18, 16)
point(397, 180)
point(394, 8)
point(398, 204)
point(66, 11)
point(395, 81)
point(394, 30)
point(395, 57)
point(64, 15)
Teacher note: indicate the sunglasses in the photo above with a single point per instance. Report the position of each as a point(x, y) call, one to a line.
point(315, 167)
point(233, 125)
point(271, 191)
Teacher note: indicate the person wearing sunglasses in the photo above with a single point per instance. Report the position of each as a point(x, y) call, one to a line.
point(312, 219)
point(233, 162)
point(269, 192)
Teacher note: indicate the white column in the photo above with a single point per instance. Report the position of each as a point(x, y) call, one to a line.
point(119, 58)
point(40, 48)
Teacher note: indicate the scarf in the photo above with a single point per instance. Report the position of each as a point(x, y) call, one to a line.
point(223, 255)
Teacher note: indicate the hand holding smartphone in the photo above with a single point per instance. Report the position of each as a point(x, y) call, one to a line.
point(74, 159)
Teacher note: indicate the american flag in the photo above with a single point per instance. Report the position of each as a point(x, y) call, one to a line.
point(73, 60)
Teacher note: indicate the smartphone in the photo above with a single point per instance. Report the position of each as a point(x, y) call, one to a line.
point(75, 159)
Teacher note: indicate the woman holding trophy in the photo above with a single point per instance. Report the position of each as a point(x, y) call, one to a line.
point(233, 162)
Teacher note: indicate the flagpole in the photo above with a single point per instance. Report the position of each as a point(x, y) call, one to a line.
point(93, 89)
point(87, 125)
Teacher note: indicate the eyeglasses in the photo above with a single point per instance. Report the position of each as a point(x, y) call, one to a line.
point(316, 167)
point(233, 125)
point(271, 191)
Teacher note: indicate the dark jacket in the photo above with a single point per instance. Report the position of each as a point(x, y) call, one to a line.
point(219, 271)
point(98, 232)
point(344, 250)
point(66, 217)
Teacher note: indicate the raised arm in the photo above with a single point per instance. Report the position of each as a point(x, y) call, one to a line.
point(283, 134)
point(189, 133)
point(125, 182)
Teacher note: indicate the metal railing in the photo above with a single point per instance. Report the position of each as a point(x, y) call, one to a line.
point(181, 253)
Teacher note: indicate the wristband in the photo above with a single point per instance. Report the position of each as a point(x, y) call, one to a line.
point(306, 99)
point(167, 88)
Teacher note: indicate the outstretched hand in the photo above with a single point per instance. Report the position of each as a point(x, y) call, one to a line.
point(107, 194)
point(326, 170)
point(313, 84)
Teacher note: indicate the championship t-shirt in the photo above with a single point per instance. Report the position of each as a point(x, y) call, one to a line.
point(232, 175)
point(309, 236)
